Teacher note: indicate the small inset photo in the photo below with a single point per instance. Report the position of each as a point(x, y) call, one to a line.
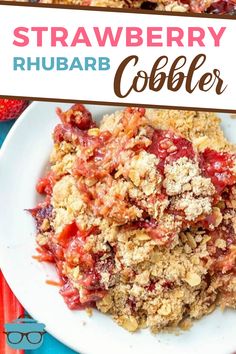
point(217, 7)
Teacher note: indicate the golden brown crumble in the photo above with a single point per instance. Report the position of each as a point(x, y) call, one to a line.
point(150, 242)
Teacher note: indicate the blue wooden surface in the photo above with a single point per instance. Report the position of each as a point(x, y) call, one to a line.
point(50, 344)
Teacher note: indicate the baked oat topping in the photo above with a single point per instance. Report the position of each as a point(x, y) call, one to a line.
point(139, 215)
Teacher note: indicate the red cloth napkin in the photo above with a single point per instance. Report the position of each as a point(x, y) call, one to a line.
point(10, 309)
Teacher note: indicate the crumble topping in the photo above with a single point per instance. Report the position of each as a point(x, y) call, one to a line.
point(203, 129)
point(193, 207)
point(185, 175)
point(139, 215)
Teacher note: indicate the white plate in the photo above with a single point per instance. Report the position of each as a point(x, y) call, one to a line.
point(23, 158)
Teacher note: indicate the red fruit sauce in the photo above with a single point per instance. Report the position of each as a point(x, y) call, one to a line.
point(169, 147)
point(218, 166)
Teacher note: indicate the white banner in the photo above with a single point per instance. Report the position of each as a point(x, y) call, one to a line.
point(118, 57)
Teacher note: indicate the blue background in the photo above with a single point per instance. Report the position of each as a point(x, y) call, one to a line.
point(50, 345)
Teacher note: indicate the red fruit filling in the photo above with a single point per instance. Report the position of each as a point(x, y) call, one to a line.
point(46, 184)
point(169, 147)
point(222, 7)
point(77, 116)
point(219, 167)
point(100, 157)
point(71, 248)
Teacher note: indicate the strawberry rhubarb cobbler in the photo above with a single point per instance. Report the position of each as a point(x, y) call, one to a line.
point(199, 6)
point(139, 215)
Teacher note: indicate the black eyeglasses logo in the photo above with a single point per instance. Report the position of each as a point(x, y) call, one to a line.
point(24, 333)
point(15, 337)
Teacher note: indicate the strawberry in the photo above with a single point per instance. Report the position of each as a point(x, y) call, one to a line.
point(11, 109)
